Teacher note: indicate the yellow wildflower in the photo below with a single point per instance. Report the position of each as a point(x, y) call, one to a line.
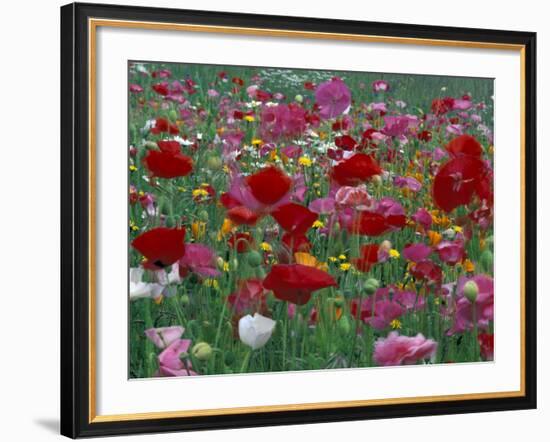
point(199, 193)
point(342, 257)
point(249, 118)
point(345, 266)
point(304, 161)
point(133, 168)
point(332, 258)
point(457, 229)
point(395, 324)
point(266, 247)
point(394, 254)
point(256, 141)
point(318, 224)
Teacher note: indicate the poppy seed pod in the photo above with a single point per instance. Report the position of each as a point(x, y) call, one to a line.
point(377, 180)
point(299, 98)
point(254, 259)
point(371, 285)
point(486, 260)
point(344, 325)
point(471, 291)
point(202, 351)
point(214, 163)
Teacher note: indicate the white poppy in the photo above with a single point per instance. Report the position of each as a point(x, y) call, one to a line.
point(255, 331)
point(140, 289)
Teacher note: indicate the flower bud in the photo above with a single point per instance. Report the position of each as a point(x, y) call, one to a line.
point(471, 291)
point(386, 245)
point(371, 285)
point(203, 215)
point(170, 221)
point(299, 98)
point(173, 115)
point(214, 163)
point(254, 259)
point(220, 263)
point(449, 234)
point(202, 351)
point(486, 260)
point(344, 325)
point(377, 180)
point(150, 145)
point(185, 300)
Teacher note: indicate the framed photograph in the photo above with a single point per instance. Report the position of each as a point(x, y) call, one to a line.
point(274, 220)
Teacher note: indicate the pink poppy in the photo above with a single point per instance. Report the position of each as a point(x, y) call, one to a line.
point(380, 86)
point(423, 217)
point(170, 363)
point(407, 182)
point(451, 252)
point(403, 350)
point(198, 259)
point(354, 197)
point(333, 98)
point(162, 337)
point(417, 252)
point(484, 305)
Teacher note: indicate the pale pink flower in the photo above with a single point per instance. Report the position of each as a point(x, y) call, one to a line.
point(162, 337)
point(403, 350)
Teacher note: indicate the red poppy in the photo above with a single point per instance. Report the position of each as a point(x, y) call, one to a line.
point(161, 246)
point(456, 182)
point(163, 125)
point(443, 105)
point(375, 224)
point(369, 257)
point(167, 165)
point(237, 80)
point(269, 185)
point(161, 88)
point(345, 142)
point(296, 282)
point(486, 345)
point(427, 271)
point(242, 242)
point(425, 135)
point(169, 146)
point(243, 215)
point(294, 218)
point(296, 242)
point(310, 86)
point(249, 297)
point(355, 170)
point(464, 145)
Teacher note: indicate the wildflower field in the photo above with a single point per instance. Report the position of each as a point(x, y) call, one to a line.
point(301, 220)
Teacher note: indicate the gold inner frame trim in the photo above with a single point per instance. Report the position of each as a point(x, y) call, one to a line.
point(93, 24)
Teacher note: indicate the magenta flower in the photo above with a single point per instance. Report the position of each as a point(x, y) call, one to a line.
point(380, 86)
point(162, 337)
point(135, 88)
point(451, 252)
point(378, 311)
point(199, 259)
point(395, 126)
point(407, 182)
point(291, 151)
point(417, 252)
point(403, 350)
point(282, 121)
point(461, 104)
point(323, 205)
point(423, 217)
point(333, 98)
point(170, 363)
point(484, 305)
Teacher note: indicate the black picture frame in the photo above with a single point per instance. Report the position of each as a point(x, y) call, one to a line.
point(75, 194)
